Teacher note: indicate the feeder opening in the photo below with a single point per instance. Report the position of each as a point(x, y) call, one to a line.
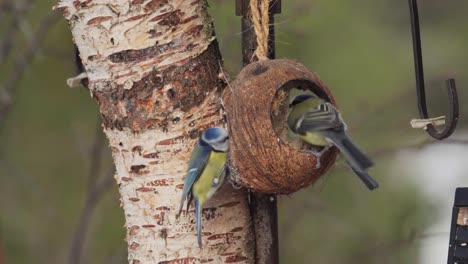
point(280, 111)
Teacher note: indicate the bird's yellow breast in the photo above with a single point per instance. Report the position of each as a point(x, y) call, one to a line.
point(213, 168)
point(314, 138)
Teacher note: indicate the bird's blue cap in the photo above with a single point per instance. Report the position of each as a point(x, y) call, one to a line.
point(301, 98)
point(213, 133)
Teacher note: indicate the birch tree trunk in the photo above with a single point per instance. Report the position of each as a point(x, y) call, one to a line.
point(154, 69)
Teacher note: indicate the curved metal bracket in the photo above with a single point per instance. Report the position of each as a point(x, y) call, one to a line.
point(452, 118)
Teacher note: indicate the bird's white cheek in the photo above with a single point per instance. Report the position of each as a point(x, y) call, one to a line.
point(225, 146)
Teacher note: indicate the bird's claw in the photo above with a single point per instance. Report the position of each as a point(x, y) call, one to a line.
point(319, 154)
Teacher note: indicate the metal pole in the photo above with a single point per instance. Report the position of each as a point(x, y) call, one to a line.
point(263, 207)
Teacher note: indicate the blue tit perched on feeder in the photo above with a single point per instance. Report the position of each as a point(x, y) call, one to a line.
point(319, 123)
point(206, 172)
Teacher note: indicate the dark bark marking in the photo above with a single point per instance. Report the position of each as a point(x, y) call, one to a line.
point(163, 233)
point(190, 46)
point(137, 149)
point(145, 189)
point(237, 229)
point(180, 261)
point(98, 20)
point(154, 34)
point(175, 120)
point(188, 19)
point(141, 54)
point(145, 108)
point(92, 57)
point(194, 31)
point(163, 182)
point(209, 213)
point(170, 141)
point(194, 133)
point(134, 246)
point(231, 204)
point(171, 95)
point(161, 217)
point(152, 155)
point(134, 199)
point(221, 236)
point(234, 259)
point(171, 19)
point(78, 4)
point(133, 230)
point(154, 4)
point(136, 17)
point(136, 168)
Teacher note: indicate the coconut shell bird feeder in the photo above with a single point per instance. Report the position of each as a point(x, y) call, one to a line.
point(262, 157)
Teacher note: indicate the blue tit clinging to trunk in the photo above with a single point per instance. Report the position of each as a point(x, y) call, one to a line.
point(206, 172)
point(318, 122)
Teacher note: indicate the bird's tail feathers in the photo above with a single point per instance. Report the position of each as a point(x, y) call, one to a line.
point(198, 214)
point(189, 202)
point(367, 179)
point(356, 158)
point(180, 207)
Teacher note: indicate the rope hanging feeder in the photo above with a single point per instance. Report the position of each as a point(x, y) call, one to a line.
point(260, 19)
point(262, 157)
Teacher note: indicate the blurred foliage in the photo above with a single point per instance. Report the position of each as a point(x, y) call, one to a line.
point(361, 49)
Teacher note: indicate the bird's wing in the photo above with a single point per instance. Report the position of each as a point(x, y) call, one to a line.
point(197, 163)
point(324, 117)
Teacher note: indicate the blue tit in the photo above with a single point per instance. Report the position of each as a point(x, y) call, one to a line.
point(206, 172)
point(319, 123)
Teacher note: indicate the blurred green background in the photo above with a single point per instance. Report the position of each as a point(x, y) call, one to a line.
point(362, 49)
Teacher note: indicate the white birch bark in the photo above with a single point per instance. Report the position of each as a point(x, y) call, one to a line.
point(153, 69)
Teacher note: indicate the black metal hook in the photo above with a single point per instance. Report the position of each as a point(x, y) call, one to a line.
point(452, 118)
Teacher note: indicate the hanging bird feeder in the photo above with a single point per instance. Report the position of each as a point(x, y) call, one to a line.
point(262, 157)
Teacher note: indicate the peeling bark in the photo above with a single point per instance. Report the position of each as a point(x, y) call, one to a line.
point(153, 67)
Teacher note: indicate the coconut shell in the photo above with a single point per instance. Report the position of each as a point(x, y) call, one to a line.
point(262, 157)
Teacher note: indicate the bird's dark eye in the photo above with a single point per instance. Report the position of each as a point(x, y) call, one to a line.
point(225, 139)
